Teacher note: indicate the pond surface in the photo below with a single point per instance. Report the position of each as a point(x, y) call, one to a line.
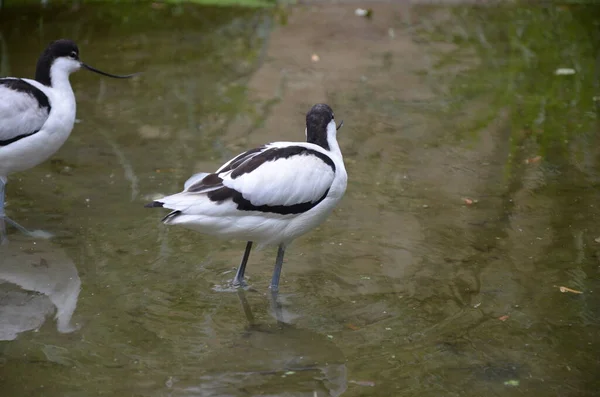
point(473, 197)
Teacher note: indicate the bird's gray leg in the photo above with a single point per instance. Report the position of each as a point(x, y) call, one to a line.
point(2, 188)
point(3, 238)
point(238, 281)
point(276, 306)
point(277, 271)
point(2, 223)
point(4, 220)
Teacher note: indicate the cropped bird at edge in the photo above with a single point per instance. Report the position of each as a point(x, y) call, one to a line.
point(37, 116)
point(269, 195)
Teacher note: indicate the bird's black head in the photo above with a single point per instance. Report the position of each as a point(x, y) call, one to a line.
point(59, 49)
point(60, 59)
point(317, 120)
point(62, 48)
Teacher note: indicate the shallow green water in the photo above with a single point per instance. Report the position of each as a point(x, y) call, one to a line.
point(405, 291)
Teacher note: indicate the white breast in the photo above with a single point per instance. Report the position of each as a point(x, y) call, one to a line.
point(37, 148)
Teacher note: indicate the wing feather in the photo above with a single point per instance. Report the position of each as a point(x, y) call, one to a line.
point(24, 109)
point(301, 178)
point(199, 183)
point(241, 159)
point(288, 179)
point(194, 179)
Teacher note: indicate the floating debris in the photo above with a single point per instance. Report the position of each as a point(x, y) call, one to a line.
point(566, 289)
point(512, 382)
point(503, 318)
point(152, 132)
point(315, 58)
point(597, 239)
point(469, 201)
point(533, 160)
point(362, 382)
point(361, 12)
point(564, 71)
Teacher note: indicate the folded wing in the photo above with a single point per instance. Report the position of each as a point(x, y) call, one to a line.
point(283, 176)
point(23, 110)
point(282, 180)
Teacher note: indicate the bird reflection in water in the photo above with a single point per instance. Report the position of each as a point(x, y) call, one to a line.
point(37, 279)
point(268, 358)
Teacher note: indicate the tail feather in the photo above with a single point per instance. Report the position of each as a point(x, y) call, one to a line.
point(170, 216)
point(154, 204)
point(194, 178)
point(160, 204)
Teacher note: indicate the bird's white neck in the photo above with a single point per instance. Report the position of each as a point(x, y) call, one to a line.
point(62, 99)
point(60, 81)
point(334, 147)
point(63, 102)
point(59, 73)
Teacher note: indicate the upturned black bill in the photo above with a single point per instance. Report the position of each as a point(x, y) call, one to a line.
point(116, 76)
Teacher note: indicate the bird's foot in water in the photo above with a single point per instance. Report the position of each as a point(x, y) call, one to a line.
point(242, 285)
point(233, 286)
point(4, 220)
point(237, 283)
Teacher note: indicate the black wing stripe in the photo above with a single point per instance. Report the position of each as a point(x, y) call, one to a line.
point(21, 85)
point(7, 142)
point(276, 154)
point(241, 158)
point(225, 193)
point(209, 181)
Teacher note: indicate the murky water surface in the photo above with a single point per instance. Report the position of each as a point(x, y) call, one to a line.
point(473, 198)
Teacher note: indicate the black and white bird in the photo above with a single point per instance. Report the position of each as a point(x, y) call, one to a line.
point(269, 195)
point(37, 116)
